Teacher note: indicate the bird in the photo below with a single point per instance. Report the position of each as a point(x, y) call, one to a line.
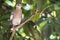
point(16, 16)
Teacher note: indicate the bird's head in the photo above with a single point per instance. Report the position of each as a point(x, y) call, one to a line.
point(18, 6)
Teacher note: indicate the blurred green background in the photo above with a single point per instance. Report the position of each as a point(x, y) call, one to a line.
point(45, 26)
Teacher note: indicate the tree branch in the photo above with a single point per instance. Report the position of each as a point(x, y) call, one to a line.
point(19, 26)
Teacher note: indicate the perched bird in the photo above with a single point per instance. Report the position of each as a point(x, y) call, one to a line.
point(16, 16)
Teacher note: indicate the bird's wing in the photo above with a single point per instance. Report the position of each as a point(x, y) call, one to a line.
point(11, 17)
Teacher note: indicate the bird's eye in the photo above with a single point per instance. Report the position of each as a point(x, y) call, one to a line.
point(19, 4)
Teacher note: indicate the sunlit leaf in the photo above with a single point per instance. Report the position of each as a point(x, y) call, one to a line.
point(53, 13)
point(13, 3)
point(48, 1)
point(42, 25)
point(21, 32)
point(36, 17)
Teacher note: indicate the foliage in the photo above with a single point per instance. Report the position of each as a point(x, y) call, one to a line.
point(44, 26)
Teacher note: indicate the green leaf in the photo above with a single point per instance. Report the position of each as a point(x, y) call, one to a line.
point(41, 25)
point(56, 7)
point(36, 18)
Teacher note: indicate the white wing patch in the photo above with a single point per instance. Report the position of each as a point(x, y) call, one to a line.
point(11, 17)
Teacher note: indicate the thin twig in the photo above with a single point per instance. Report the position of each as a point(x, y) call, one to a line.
point(13, 32)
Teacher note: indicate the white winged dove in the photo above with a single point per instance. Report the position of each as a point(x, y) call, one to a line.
point(16, 16)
